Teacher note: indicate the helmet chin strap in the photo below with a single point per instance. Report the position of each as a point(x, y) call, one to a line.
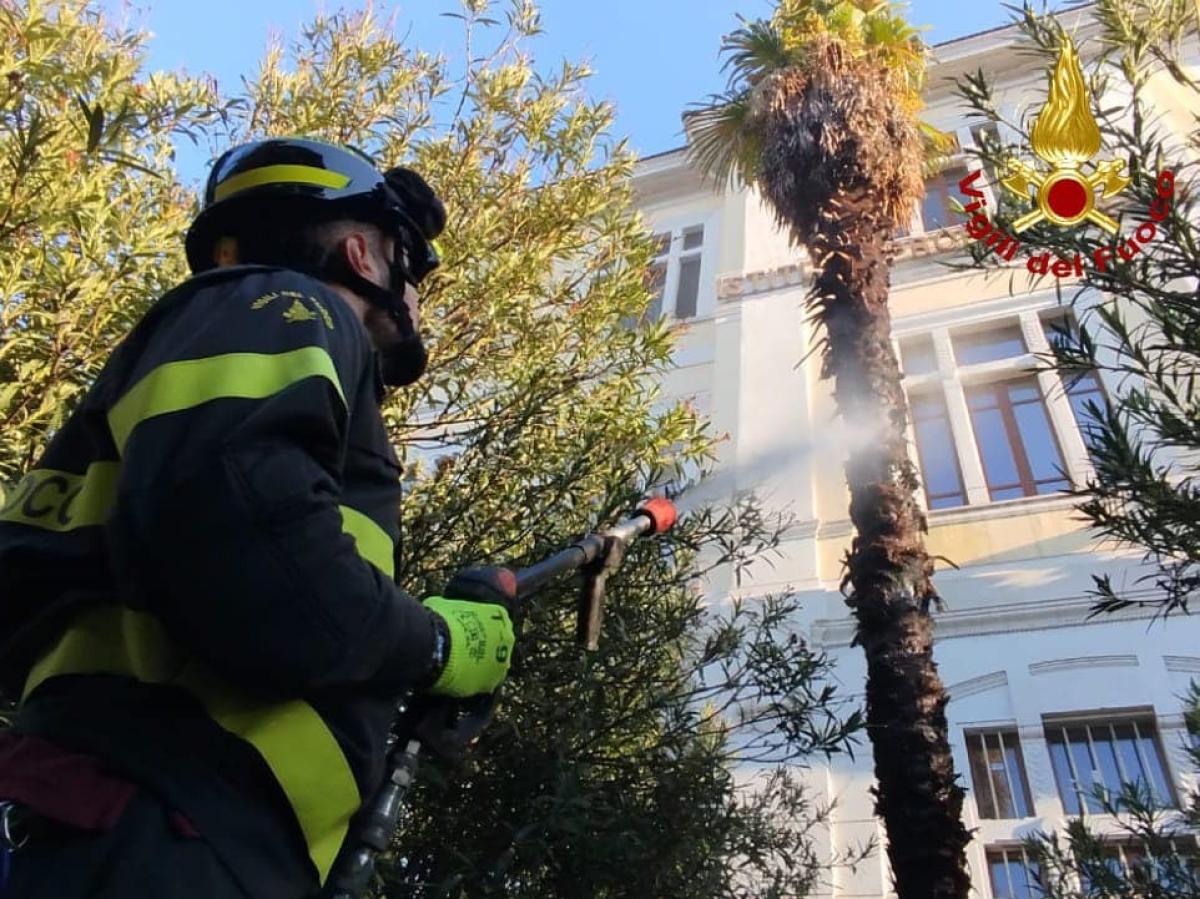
point(404, 362)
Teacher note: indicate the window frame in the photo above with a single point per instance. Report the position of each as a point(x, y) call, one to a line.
point(686, 255)
point(966, 138)
point(967, 338)
point(930, 498)
point(1084, 799)
point(1066, 325)
point(1097, 394)
point(1004, 851)
point(1021, 794)
point(1001, 391)
point(959, 165)
point(1036, 316)
point(675, 256)
point(1131, 854)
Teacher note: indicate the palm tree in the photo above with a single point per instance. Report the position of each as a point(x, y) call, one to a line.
point(820, 115)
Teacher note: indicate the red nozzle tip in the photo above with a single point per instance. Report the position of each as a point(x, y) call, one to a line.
point(662, 512)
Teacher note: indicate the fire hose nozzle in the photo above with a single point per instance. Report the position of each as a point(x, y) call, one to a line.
point(662, 512)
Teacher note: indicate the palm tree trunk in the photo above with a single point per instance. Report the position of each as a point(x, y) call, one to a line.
point(888, 569)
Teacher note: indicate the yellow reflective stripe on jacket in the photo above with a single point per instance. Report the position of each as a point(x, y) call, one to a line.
point(62, 500)
point(302, 754)
point(175, 386)
point(374, 543)
point(280, 174)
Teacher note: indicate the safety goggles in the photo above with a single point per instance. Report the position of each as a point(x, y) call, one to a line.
point(422, 255)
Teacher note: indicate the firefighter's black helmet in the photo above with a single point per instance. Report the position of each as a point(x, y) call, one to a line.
point(315, 181)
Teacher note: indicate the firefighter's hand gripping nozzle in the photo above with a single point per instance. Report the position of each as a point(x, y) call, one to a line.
point(456, 724)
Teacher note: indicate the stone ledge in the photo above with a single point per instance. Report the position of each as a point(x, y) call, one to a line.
point(1105, 661)
point(1036, 615)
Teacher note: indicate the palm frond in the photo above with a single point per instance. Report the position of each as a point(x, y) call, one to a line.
point(889, 37)
point(938, 148)
point(754, 51)
point(721, 144)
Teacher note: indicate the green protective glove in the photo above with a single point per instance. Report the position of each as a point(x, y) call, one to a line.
point(481, 645)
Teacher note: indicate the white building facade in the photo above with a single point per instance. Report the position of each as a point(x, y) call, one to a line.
point(1045, 703)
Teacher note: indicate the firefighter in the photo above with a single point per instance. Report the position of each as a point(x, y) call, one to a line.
point(197, 601)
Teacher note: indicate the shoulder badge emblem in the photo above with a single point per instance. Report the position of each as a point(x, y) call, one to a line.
point(298, 312)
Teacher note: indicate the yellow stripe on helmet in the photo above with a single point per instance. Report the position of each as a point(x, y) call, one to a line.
point(280, 174)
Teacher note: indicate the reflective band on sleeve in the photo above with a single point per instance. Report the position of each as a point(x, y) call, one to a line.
point(303, 755)
point(62, 500)
point(280, 174)
point(176, 386)
point(373, 542)
point(109, 640)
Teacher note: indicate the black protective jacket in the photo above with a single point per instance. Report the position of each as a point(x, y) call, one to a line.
point(196, 581)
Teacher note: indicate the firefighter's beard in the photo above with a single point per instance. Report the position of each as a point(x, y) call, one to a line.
point(402, 353)
point(404, 362)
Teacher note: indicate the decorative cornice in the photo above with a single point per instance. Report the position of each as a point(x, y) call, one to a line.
point(1167, 721)
point(931, 243)
point(1036, 615)
point(1032, 733)
point(1183, 664)
point(981, 684)
point(735, 286)
point(1009, 508)
point(803, 529)
point(1122, 661)
point(838, 527)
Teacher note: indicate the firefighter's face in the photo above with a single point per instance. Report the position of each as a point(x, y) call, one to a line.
point(395, 331)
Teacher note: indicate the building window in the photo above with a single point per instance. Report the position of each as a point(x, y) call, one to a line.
point(917, 356)
point(982, 381)
point(656, 275)
point(656, 281)
point(987, 136)
point(1016, 443)
point(1102, 755)
point(1083, 391)
point(1172, 867)
point(688, 292)
point(673, 276)
point(985, 133)
point(941, 194)
point(1013, 874)
point(935, 451)
point(1001, 787)
point(974, 347)
point(1082, 386)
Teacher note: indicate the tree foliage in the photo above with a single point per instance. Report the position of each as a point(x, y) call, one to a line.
point(1139, 317)
point(650, 768)
point(1138, 323)
point(91, 212)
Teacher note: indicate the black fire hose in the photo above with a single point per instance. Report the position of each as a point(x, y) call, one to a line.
point(597, 556)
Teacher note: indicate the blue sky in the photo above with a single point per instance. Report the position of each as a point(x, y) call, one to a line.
point(652, 57)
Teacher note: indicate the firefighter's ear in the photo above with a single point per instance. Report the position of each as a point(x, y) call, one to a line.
point(361, 255)
point(225, 252)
